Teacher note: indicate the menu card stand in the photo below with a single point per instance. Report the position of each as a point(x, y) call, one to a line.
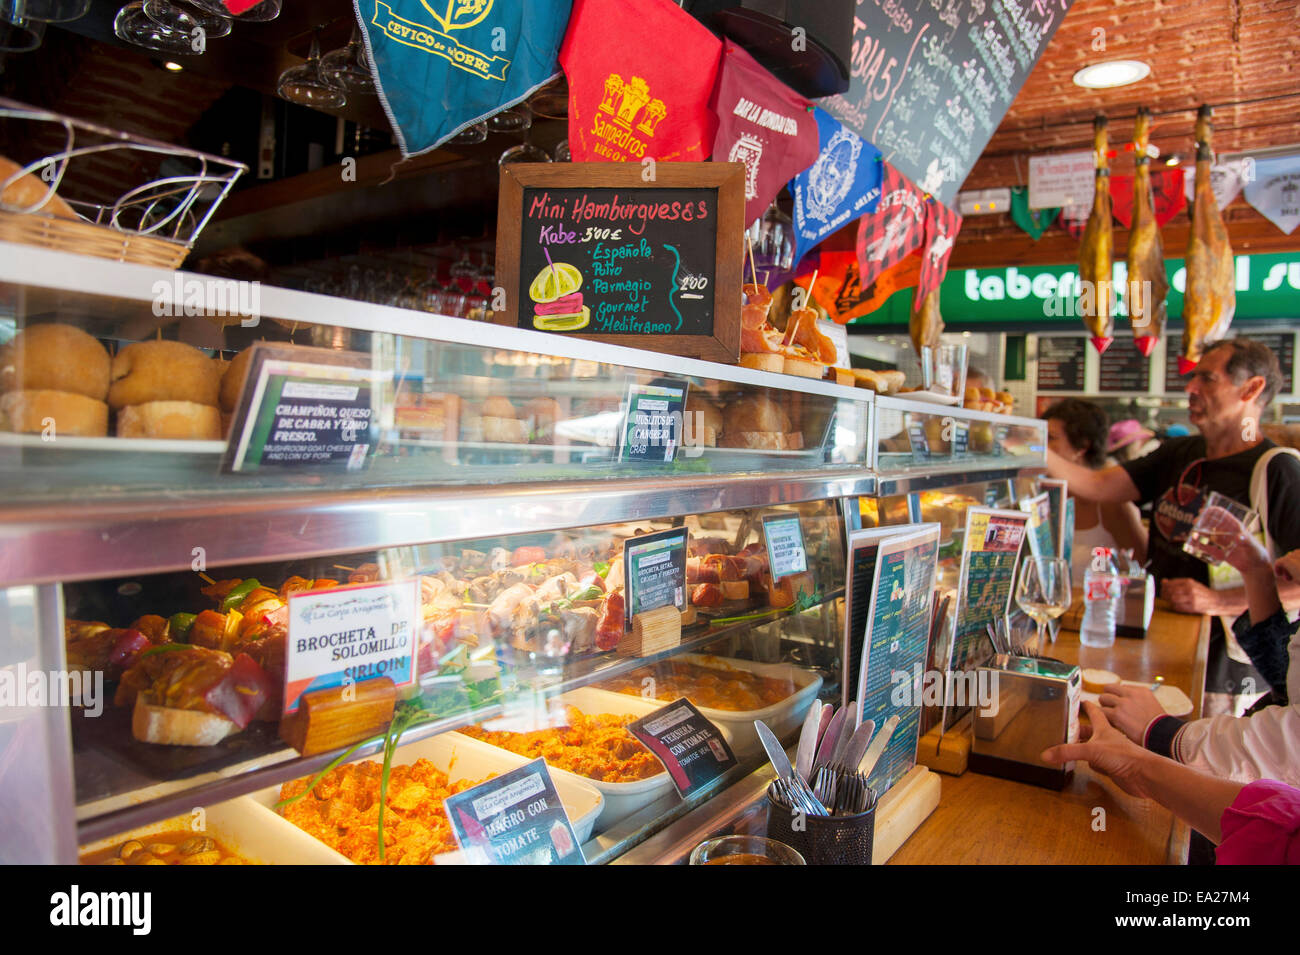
point(339, 716)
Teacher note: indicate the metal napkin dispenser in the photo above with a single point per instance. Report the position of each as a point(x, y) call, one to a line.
point(1133, 618)
point(1034, 704)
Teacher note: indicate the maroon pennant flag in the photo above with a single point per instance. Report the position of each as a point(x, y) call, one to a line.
point(762, 123)
point(895, 229)
point(236, 7)
point(941, 228)
point(1167, 192)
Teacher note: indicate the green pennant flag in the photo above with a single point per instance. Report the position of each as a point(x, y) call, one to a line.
point(1033, 221)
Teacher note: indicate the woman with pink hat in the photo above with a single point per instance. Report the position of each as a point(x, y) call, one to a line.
point(1128, 440)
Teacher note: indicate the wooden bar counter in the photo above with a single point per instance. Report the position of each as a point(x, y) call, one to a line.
point(985, 819)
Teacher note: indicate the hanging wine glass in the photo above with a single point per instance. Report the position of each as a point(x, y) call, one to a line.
point(772, 237)
point(304, 85)
point(552, 100)
point(524, 152)
point(264, 11)
point(133, 25)
point(347, 67)
point(516, 119)
point(474, 133)
point(19, 31)
point(171, 17)
point(44, 11)
point(464, 274)
point(562, 153)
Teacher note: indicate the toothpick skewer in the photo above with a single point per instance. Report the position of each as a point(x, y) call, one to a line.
point(749, 247)
point(792, 323)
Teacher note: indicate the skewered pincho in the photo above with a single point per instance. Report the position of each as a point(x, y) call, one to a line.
point(1147, 285)
point(1211, 296)
point(1097, 248)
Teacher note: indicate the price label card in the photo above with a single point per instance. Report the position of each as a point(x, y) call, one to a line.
point(960, 438)
point(692, 749)
point(345, 635)
point(920, 444)
point(305, 408)
point(652, 430)
point(514, 819)
point(654, 567)
point(999, 440)
point(785, 547)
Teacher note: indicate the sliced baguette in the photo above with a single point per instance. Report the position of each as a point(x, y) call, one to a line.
point(1099, 681)
point(162, 724)
point(762, 362)
point(803, 368)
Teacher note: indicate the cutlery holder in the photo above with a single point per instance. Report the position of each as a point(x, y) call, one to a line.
point(823, 840)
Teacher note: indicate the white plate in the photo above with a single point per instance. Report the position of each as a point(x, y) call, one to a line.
point(461, 757)
point(1174, 700)
point(121, 445)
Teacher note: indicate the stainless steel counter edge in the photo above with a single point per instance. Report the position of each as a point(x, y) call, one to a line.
point(88, 540)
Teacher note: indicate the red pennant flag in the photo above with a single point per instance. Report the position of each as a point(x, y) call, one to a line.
point(764, 124)
point(236, 7)
point(840, 289)
point(1167, 191)
point(941, 228)
point(895, 229)
point(641, 73)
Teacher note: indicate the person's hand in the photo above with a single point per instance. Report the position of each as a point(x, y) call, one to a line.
point(1130, 709)
point(1225, 539)
point(1107, 751)
point(1288, 566)
point(1189, 596)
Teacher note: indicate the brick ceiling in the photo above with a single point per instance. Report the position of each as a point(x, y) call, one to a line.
point(1240, 56)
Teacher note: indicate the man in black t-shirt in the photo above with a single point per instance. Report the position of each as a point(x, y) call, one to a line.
point(1232, 385)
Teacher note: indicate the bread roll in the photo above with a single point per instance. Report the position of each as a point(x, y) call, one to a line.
point(504, 430)
point(802, 367)
point(173, 420)
point(762, 361)
point(163, 371)
point(30, 190)
point(232, 381)
point(55, 357)
point(27, 412)
point(756, 413)
point(538, 416)
point(162, 724)
point(499, 407)
point(705, 421)
point(1099, 681)
point(754, 440)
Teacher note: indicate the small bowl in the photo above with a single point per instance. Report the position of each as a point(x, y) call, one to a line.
point(744, 850)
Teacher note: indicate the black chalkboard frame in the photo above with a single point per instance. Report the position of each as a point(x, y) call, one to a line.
point(727, 179)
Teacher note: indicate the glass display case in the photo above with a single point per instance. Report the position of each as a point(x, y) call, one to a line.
point(498, 484)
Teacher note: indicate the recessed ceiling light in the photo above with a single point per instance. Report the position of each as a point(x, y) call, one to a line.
point(1104, 76)
point(173, 66)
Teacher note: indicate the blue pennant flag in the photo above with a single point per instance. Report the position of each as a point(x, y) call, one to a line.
point(842, 184)
point(443, 65)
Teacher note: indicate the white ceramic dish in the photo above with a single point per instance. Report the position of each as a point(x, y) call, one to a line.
point(461, 757)
point(738, 725)
point(245, 828)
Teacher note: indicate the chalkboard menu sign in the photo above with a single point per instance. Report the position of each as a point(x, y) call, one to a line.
point(931, 81)
point(649, 257)
point(1174, 382)
point(1281, 344)
point(1124, 368)
point(1060, 363)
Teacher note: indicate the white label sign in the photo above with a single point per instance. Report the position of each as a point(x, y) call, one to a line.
point(351, 634)
point(1065, 179)
point(785, 550)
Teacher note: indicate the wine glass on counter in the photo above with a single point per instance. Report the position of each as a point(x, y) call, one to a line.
point(1043, 590)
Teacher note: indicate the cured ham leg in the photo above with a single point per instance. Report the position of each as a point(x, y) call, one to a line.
point(1097, 248)
point(1147, 285)
point(926, 324)
point(1211, 296)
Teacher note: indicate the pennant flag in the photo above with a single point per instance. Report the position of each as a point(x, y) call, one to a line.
point(941, 227)
point(842, 184)
point(1166, 193)
point(437, 73)
point(839, 288)
point(895, 229)
point(1074, 219)
point(1226, 181)
point(641, 73)
point(1275, 191)
point(762, 123)
point(1032, 221)
point(236, 7)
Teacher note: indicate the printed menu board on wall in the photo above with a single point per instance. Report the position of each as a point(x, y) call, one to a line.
point(1281, 344)
point(1060, 362)
point(645, 257)
point(1124, 368)
point(929, 82)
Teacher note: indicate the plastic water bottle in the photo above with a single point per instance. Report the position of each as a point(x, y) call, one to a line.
point(1102, 591)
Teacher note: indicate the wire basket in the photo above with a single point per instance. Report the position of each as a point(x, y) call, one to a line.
point(154, 223)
